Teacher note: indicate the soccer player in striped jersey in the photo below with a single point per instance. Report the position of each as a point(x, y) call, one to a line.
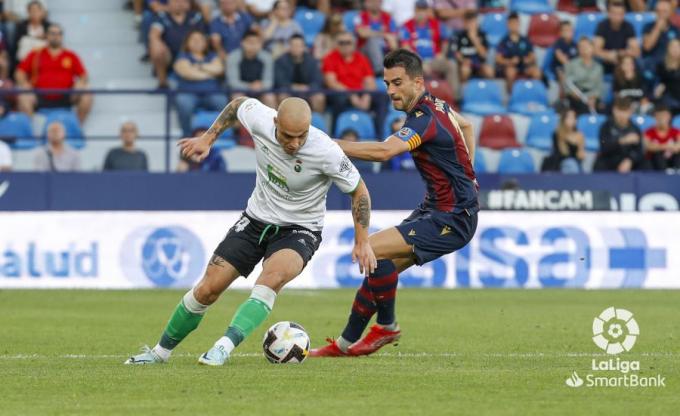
point(442, 144)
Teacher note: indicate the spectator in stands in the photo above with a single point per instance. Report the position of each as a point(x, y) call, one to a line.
point(662, 141)
point(260, 9)
point(325, 40)
point(297, 72)
point(127, 157)
point(351, 135)
point(376, 33)
point(401, 10)
point(151, 9)
point(279, 28)
point(56, 156)
point(515, 56)
point(615, 37)
point(198, 70)
point(423, 35)
point(346, 69)
point(620, 141)
point(4, 57)
point(451, 12)
point(628, 82)
point(668, 73)
point(469, 48)
point(32, 32)
point(584, 80)
point(167, 34)
point(227, 29)
point(214, 162)
point(5, 157)
point(53, 67)
point(657, 35)
point(565, 49)
point(568, 147)
point(251, 69)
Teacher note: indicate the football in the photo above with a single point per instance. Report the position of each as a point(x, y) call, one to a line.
point(286, 342)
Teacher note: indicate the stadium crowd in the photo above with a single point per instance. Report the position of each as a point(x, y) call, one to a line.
point(591, 77)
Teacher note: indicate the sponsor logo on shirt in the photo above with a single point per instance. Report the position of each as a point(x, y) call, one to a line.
point(277, 178)
point(345, 166)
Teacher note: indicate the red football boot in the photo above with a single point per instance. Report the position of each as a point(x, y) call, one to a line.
point(330, 350)
point(376, 338)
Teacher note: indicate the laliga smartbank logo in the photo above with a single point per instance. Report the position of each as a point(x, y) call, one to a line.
point(615, 331)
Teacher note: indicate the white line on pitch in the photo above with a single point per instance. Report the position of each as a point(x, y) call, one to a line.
point(382, 354)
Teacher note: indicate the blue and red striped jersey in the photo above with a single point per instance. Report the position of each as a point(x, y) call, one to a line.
point(441, 156)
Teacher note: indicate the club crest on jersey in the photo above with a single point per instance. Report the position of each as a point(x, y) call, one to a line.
point(419, 113)
point(298, 166)
point(446, 230)
point(405, 133)
point(277, 178)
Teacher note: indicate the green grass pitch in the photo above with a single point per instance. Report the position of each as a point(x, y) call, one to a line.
point(463, 352)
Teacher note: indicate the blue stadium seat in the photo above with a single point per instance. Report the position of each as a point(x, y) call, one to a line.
point(586, 24)
point(479, 164)
point(311, 22)
point(639, 20)
point(380, 84)
point(204, 119)
point(495, 25)
point(516, 161)
point(644, 122)
point(528, 97)
point(356, 120)
point(541, 130)
point(349, 19)
point(319, 122)
point(676, 122)
point(18, 125)
point(531, 6)
point(546, 67)
point(483, 97)
point(589, 125)
point(68, 118)
point(391, 116)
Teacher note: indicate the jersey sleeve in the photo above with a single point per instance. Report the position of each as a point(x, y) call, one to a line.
point(256, 117)
point(415, 130)
point(341, 170)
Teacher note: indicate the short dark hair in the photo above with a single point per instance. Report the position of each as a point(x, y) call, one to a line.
point(470, 14)
point(661, 107)
point(623, 103)
point(616, 3)
point(249, 33)
point(296, 36)
point(564, 23)
point(513, 16)
point(406, 59)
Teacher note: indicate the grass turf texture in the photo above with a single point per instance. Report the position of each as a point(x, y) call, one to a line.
point(462, 352)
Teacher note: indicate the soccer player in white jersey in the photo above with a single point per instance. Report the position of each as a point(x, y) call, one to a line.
point(296, 164)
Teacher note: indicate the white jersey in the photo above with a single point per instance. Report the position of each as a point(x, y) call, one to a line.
point(291, 190)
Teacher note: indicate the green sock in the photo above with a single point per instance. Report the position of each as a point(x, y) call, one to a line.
point(248, 316)
point(181, 323)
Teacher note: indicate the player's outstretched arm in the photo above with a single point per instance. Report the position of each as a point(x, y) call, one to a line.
point(468, 133)
point(374, 151)
point(197, 148)
point(361, 214)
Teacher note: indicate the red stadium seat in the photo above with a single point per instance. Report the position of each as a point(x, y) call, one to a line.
point(544, 29)
point(498, 132)
point(570, 6)
point(441, 89)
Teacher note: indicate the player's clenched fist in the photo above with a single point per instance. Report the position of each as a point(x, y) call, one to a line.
point(195, 148)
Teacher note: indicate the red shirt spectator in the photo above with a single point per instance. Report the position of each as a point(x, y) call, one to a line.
point(48, 70)
point(671, 136)
point(350, 71)
point(53, 67)
point(380, 22)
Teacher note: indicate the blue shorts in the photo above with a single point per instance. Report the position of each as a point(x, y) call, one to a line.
point(434, 233)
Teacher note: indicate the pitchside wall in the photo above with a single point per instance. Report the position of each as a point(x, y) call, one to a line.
point(123, 249)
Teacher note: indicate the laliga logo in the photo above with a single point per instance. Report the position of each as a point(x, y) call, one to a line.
point(615, 330)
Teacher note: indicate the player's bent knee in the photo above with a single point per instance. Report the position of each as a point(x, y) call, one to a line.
point(206, 293)
point(274, 279)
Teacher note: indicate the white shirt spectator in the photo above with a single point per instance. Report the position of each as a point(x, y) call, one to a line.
point(261, 5)
point(401, 10)
point(5, 157)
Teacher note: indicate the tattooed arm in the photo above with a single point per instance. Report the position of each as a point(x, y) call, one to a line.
point(197, 148)
point(361, 214)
